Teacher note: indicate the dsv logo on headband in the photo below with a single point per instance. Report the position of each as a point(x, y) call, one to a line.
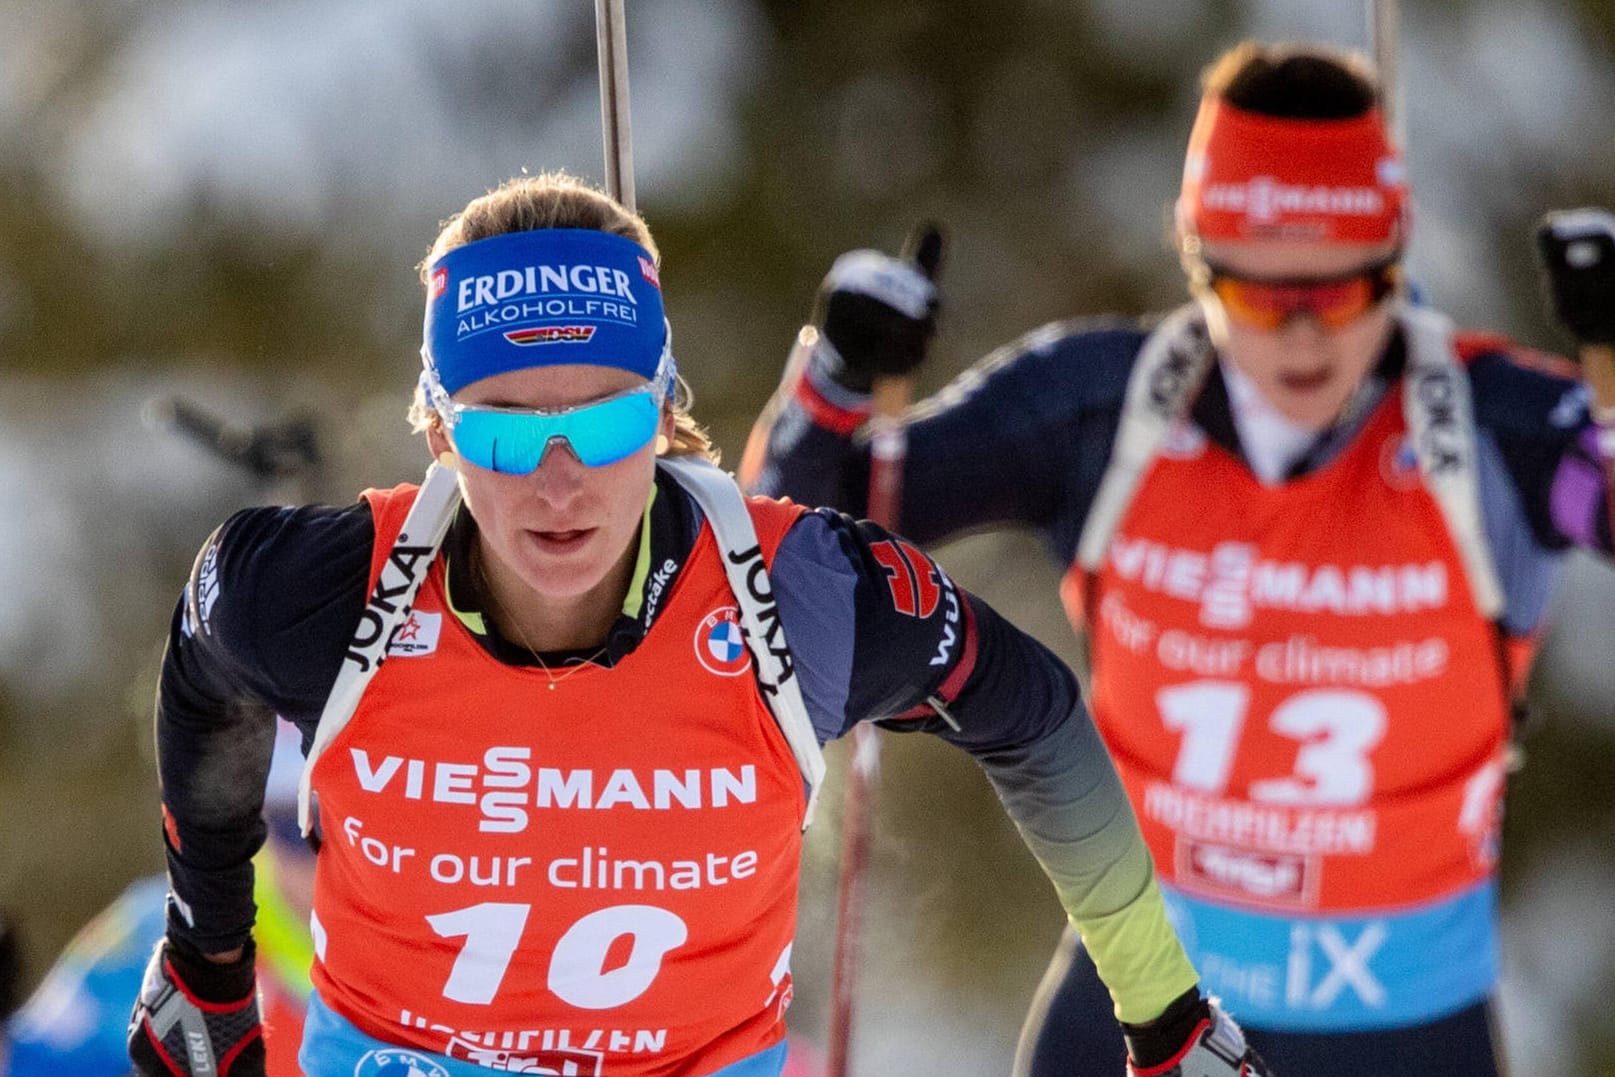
point(552, 334)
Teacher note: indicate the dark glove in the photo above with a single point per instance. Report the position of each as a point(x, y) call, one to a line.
point(878, 313)
point(197, 1017)
point(1577, 248)
point(1193, 1038)
point(10, 968)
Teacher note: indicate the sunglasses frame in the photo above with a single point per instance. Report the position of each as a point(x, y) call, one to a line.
point(1384, 277)
point(661, 387)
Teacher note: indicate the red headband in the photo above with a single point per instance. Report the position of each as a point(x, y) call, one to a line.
point(1252, 176)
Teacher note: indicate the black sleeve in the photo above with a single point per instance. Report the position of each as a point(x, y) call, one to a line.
point(870, 640)
point(1016, 690)
point(880, 631)
point(261, 628)
point(1536, 411)
point(1018, 438)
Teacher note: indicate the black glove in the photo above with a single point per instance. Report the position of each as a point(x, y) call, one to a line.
point(1577, 247)
point(878, 313)
point(170, 1033)
point(10, 967)
point(1192, 1038)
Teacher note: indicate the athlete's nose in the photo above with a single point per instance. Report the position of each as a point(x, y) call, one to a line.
point(1307, 340)
point(560, 475)
point(1303, 321)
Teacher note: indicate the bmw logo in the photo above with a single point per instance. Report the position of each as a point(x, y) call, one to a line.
point(397, 1062)
point(719, 643)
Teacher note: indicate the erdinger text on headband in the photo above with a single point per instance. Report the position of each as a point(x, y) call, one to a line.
point(542, 298)
point(548, 297)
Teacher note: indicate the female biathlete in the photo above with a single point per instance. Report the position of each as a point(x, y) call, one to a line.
point(562, 706)
point(1308, 531)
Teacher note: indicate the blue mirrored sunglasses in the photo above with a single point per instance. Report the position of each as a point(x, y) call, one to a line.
point(513, 441)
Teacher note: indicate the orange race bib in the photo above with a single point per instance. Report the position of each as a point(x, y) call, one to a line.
point(1310, 718)
point(598, 878)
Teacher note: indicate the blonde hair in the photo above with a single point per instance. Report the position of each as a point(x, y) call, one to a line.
point(557, 200)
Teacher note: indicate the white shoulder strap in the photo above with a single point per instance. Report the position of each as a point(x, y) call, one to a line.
point(1167, 374)
point(720, 499)
point(1441, 425)
point(401, 577)
point(1436, 406)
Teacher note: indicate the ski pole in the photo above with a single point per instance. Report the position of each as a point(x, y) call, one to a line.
point(1385, 31)
point(796, 360)
point(612, 40)
point(888, 448)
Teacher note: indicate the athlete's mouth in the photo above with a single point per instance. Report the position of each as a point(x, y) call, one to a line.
point(561, 541)
point(1305, 381)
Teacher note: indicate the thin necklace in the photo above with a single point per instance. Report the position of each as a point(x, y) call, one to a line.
point(506, 620)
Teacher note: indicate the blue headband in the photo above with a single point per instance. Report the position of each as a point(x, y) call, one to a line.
point(542, 298)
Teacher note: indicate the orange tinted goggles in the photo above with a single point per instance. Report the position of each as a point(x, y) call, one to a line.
point(1333, 302)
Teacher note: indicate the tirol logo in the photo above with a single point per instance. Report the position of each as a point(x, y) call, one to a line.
point(719, 643)
point(397, 1062)
point(566, 1062)
point(417, 635)
point(1274, 878)
point(551, 334)
point(440, 281)
point(405, 568)
point(647, 269)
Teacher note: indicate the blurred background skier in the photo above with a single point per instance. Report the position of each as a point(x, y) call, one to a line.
point(1308, 530)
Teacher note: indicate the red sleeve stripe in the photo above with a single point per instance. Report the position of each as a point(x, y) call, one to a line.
point(954, 682)
point(826, 413)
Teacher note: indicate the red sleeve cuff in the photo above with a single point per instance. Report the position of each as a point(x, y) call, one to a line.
point(826, 413)
point(954, 682)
